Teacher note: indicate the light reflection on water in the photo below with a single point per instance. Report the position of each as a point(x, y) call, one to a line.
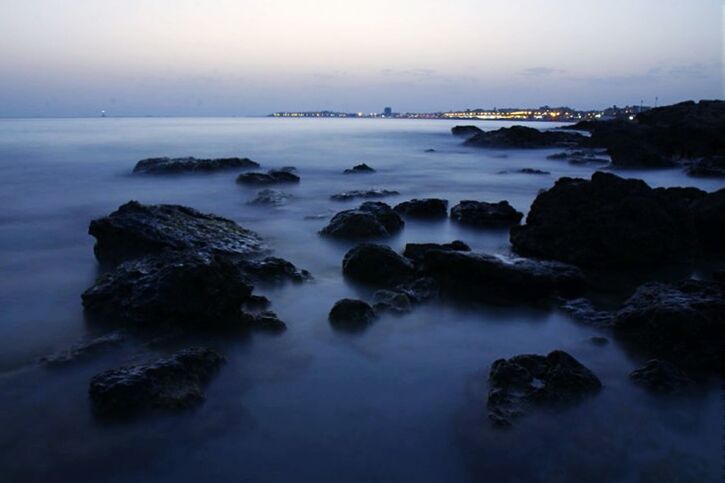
point(403, 401)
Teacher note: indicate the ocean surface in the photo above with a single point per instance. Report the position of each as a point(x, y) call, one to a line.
point(403, 401)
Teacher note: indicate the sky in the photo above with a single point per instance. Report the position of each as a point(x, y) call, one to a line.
point(239, 57)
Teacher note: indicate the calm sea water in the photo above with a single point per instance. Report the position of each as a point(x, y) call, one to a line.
point(402, 402)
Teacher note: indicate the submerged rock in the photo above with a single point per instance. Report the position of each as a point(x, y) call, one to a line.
point(135, 230)
point(373, 219)
point(351, 314)
point(376, 264)
point(660, 377)
point(524, 138)
point(273, 176)
point(524, 171)
point(581, 157)
point(365, 194)
point(172, 383)
point(185, 165)
point(417, 251)
point(391, 301)
point(423, 208)
point(556, 379)
point(84, 350)
point(482, 214)
point(582, 310)
point(359, 169)
point(270, 197)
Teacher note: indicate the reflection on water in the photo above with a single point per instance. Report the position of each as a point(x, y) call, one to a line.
point(402, 401)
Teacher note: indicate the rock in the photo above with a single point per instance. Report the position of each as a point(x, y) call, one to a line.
point(266, 320)
point(465, 131)
point(682, 323)
point(179, 288)
point(272, 270)
point(135, 230)
point(582, 310)
point(430, 150)
point(351, 314)
point(581, 156)
point(556, 379)
point(359, 169)
point(270, 198)
point(660, 377)
point(522, 137)
point(376, 264)
point(257, 302)
point(171, 383)
point(608, 221)
point(598, 340)
point(482, 214)
point(365, 194)
point(185, 165)
point(423, 208)
point(524, 171)
point(707, 167)
point(373, 219)
point(416, 251)
point(709, 214)
point(486, 278)
point(274, 176)
point(83, 350)
point(391, 301)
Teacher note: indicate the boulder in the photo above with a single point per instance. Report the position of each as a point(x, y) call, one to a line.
point(391, 301)
point(135, 230)
point(351, 314)
point(465, 131)
point(660, 377)
point(373, 219)
point(359, 169)
point(171, 383)
point(187, 165)
point(376, 264)
point(522, 137)
point(274, 176)
point(365, 194)
point(271, 270)
point(423, 208)
point(270, 197)
point(264, 321)
point(420, 289)
point(482, 214)
point(682, 323)
point(416, 251)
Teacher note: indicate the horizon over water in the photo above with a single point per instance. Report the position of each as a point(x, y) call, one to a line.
point(402, 401)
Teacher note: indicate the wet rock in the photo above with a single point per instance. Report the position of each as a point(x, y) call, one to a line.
point(186, 165)
point(274, 176)
point(135, 230)
point(351, 314)
point(517, 383)
point(522, 137)
point(172, 383)
point(373, 219)
point(271, 197)
point(419, 289)
point(707, 167)
point(84, 350)
point(581, 157)
point(266, 321)
point(365, 194)
point(486, 278)
point(359, 169)
point(660, 377)
point(272, 270)
point(582, 310)
point(682, 323)
point(416, 251)
point(376, 264)
point(391, 301)
point(608, 221)
point(465, 131)
point(178, 288)
point(423, 208)
point(482, 214)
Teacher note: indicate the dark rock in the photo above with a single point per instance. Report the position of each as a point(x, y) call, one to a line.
point(558, 156)
point(430, 150)
point(482, 214)
point(709, 214)
point(274, 176)
point(707, 167)
point(266, 320)
point(350, 314)
point(660, 377)
point(417, 251)
point(599, 340)
point(556, 379)
point(170, 288)
point(257, 302)
point(185, 165)
point(359, 169)
point(365, 194)
point(391, 301)
point(524, 138)
point(486, 278)
point(608, 221)
point(175, 382)
point(582, 310)
point(419, 289)
point(465, 131)
point(373, 219)
point(423, 208)
point(376, 264)
point(270, 198)
point(272, 270)
point(135, 230)
point(682, 323)
point(524, 171)
point(84, 350)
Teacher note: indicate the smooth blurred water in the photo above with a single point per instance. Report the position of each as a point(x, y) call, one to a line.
point(403, 401)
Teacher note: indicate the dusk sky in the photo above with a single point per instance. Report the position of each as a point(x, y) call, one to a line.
point(236, 57)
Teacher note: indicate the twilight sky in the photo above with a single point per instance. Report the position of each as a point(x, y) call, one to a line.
point(236, 57)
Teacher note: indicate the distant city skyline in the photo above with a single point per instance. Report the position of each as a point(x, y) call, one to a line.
point(225, 57)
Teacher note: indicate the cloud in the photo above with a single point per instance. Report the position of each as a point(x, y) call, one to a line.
point(540, 71)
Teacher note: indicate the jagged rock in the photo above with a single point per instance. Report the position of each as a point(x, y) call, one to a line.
point(359, 169)
point(83, 350)
point(365, 194)
point(273, 176)
point(423, 208)
point(556, 379)
point(376, 264)
point(351, 314)
point(185, 165)
point(174, 382)
point(416, 251)
point(135, 230)
point(373, 219)
point(524, 138)
point(482, 214)
point(682, 323)
point(582, 310)
point(272, 270)
point(270, 198)
point(660, 377)
point(391, 301)
point(487, 278)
